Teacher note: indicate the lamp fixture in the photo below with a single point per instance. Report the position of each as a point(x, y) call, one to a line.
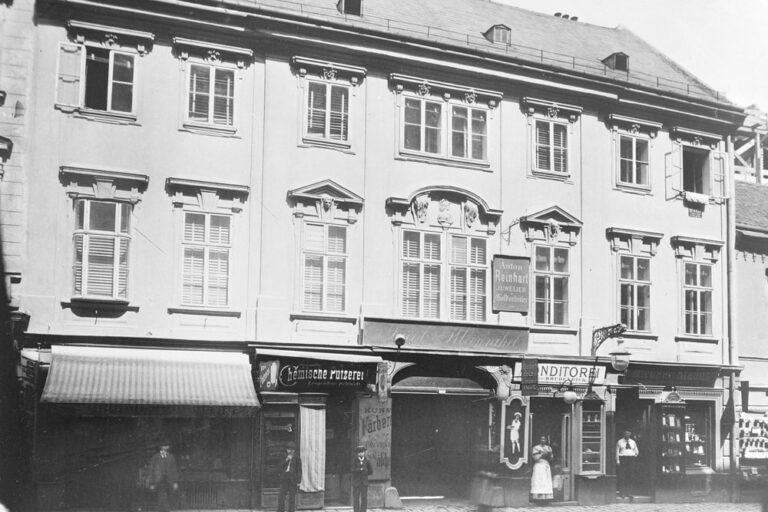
point(569, 395)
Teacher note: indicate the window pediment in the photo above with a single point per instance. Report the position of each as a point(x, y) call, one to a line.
point(696, 248)
point(425, 87)
point(695, 137)
point(207, 195)
point(633, 241)
point(445, 207)
point(103, 184)
point(212, 52)
point(82, 31)
point(634, 125)
point(326, 200)
point(551, 109)
point(328, 70)
point(551, 225)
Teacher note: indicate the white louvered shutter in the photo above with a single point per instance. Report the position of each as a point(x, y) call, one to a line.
point(199, 92)
point(543, 158)
point(339, 114)
point(314, 246)
point(218, 277)
point(101, 266)
point(316, 103)
point(69, 76)
point(77, 269)
point(193, 276)
point(560, 148)
point(224, 97)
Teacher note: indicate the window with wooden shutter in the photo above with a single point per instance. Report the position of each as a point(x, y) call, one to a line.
point(211, 94)
point(423, 264)
point(205, 266)
point(697, 294)
point(101, 249)
point(327, 111)
point(325, 268)
point(96, 78)
point(551, 274)
point(551, 147)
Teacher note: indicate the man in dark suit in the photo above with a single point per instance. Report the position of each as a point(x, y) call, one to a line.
point(361, 469)
point(164, 475)
point(290, 478)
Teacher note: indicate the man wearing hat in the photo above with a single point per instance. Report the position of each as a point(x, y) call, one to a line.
point(164, 475)
point(361, 469)
point(290, 478)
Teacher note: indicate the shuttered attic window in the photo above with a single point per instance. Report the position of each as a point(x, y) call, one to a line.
point(499, 34)
point(353, 7)
point(618, 61)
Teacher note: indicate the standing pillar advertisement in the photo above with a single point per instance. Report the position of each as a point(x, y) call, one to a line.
point(375, 433)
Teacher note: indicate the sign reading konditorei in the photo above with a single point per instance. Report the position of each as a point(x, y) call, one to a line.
point(376, 434)
point(557, 373)
point(298, 376)
point(511, 283)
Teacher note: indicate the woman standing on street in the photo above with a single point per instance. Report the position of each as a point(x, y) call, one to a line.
point(541, 477)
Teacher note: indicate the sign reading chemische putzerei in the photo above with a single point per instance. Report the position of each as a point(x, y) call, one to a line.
point(511, 283)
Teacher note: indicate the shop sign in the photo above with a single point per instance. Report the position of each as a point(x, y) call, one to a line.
point(671, 376)
point(375, 434)
point(513, 445)
point(558, 373)
point(494, 339)
point(530, 376)
point(511, 283)
point(306, 376)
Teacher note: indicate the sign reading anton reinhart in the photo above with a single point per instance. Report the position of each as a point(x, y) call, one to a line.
point(510, 283)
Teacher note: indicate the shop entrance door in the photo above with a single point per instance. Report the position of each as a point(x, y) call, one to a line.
point(553, 419)
point(431, 445)
point(635, 414)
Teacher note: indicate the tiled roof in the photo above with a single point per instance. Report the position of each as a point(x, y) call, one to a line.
point(751, 205)
point(536, 37)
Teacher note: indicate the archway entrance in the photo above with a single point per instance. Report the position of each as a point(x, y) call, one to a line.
point(435, 420)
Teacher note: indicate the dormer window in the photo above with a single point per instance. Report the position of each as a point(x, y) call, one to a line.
point(353, 7)
point(618, 61)
point(499, 34)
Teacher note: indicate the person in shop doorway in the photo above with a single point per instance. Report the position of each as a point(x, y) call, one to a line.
point(290, 478)
point(361, 470)
point(626, 455)
point(541, 476)
point(164, 476)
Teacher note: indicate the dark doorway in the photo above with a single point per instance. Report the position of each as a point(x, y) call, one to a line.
point(431, 443)
point(635, 415)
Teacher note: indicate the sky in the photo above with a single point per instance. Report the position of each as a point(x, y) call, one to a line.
point(723, 42)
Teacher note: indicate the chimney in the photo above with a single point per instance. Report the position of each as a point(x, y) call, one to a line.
point(566, 16)
point(558, 14)
point(574, 18)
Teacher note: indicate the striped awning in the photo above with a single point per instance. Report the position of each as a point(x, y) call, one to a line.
point(149, 377)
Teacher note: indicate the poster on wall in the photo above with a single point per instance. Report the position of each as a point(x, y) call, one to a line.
point(511, 283)
point(514, 434)
point(375, 434)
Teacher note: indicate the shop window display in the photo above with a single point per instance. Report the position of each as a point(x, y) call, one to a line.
point(592, 434)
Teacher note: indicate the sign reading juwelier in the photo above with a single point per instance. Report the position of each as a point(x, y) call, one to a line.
point(511, 283)
point(305, 376)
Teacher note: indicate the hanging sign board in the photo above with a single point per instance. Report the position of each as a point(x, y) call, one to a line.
point(511, 283)
point(530, 376)
point(558, 373)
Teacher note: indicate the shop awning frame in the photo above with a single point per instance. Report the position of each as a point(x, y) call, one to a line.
point(145, 381)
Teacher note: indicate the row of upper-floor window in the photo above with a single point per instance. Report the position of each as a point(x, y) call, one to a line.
point(443, 274)
point(437, 121)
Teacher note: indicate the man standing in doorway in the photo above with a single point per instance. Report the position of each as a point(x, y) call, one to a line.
point(361, 469)
point(626, 455)
point(290, 478)
point(164, 475)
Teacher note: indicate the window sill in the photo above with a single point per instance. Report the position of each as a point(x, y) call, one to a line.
point(553, 329)
point(208, 129)
point(633, 189)
point(481, 165)
point(640, 335)
point(192, 310)
point(103, 116)
point(324, 317)
point(692, 338)
point(312, 142)
point(99, 303)
point(549, 175)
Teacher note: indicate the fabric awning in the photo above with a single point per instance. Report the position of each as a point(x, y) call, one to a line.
point(149, 377)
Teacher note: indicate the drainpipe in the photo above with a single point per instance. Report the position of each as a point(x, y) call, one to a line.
point(730, 308)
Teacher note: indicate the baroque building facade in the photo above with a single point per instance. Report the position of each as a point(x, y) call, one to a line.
point(258, 223)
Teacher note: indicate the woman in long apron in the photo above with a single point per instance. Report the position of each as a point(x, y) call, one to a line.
point(541, 477)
